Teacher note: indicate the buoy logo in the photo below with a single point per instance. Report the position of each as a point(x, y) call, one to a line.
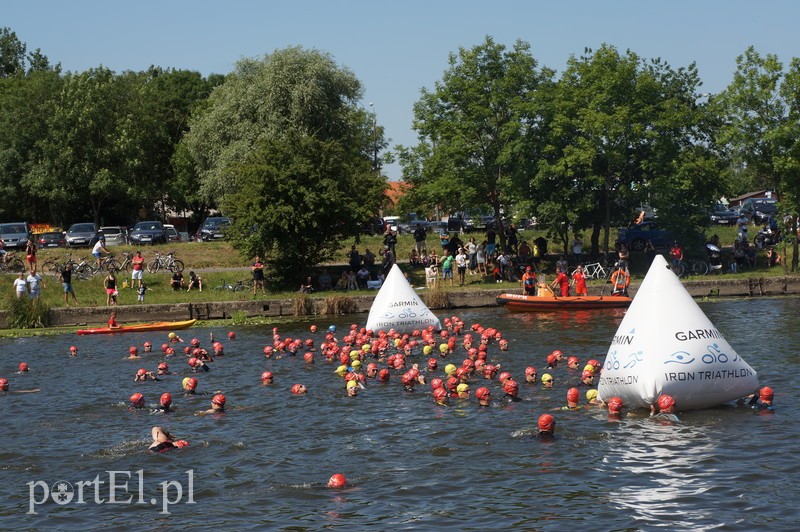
point(62, 492)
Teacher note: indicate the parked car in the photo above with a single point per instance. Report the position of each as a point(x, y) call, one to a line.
point(214, 228)
point(759, 209)
point(81, 235)
point(373, 226)
point(637, 235)
point(172, 234)
point(465, 221)
point(114, 235)
point(151, 232)
point(721, 215)
point(393, 222)
point(410, 226)
point(51, 239)
point(15, 235)
point(438, 227)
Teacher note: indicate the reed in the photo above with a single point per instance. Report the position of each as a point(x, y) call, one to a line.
point(24, 313)
point(437, 297)
point(338, 305)
point(302, 305)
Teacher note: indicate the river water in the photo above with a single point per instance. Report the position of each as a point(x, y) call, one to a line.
point(410, 464)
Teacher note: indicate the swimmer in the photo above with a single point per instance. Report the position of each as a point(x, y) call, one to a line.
point(189, 385)
point(23, 367)
point(762, 399)
point(592, 398)
point(614, 408)
point(299, 389)
point(164, 404)
point(484, 396)
point(148, 347)
point(372, 370)
point(666, 409)
point(197, 365)
point(383, 375)
point(552, 361)
point(219, 349)
point(530, 375)
point(352, 388)
point(231, 335)
point(463, 391)
point(202, 354)
point(194, 342)
point(112, 321)
point(137, 402)
point(587, 378)
point(573, 363)
point(217, 405)
point(164, 441)
point(547, 427)
point(4, 387)
point(73, 351)
point(547, 380)
point(511, 389)
point(133, 352)
point(142, 375)
point(573, 396)
point(163, 369)
point(266, 378)
point(174, 338)
point(440, 396)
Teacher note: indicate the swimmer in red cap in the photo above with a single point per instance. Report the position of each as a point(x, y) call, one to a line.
point(217, 405)
point(137, 402)
point(189, 385)
point(299, 389)
point(761, 399)
point(163, 369)
point(164, 404)
point(484, 396)
point(440, 396)
point(133, 353)
point(530, 375)
point(142, 375)
point(266, 378)
point(573, 363)
point(547, 427)
point(573, 397)
point(164, 441)
point(614, 408)
point(511, 389)
point(231, 335)
point(552, 361)
point(148, 347)
point(73, 351)
point(383, 375)
point(23, 367)
point(337, 481)
point(666, 409)
point(587, 378)
point(372, 370)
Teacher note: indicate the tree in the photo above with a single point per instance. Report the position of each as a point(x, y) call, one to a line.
point(284, 149)
point(12, 54)
point(477, 131)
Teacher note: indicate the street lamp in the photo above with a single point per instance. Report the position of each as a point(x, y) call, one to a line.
point(374, 138)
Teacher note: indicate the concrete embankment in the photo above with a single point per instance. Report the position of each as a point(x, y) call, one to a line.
point(93, 316)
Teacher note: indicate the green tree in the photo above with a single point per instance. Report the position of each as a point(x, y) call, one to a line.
point(284, 149)
point(477, 129)
point(12, 54)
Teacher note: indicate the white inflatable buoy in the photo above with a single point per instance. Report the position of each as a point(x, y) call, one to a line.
point(397, 306)
point(667, 345)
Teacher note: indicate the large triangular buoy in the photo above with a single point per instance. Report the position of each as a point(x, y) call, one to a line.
point(666, 344)
point(397, 306)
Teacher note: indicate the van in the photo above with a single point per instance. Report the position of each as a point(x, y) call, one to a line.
point(15, 234)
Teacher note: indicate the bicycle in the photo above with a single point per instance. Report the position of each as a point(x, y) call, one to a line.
point(595, 270)
point(168, 262)
point(11, 263)
point(239, 286)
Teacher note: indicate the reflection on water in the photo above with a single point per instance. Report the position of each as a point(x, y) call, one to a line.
point(410, 463)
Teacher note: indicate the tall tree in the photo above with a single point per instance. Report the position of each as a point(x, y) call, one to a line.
point(283, 148)
point(12, 54)
point(476, 130)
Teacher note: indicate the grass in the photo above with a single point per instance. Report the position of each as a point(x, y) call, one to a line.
point(220, 255)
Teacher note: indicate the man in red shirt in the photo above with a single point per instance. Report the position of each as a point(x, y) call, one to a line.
point(676, 253)
point(563, 281)
point(579, 279)
point(138, 268)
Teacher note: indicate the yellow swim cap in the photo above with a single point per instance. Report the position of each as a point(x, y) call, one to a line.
point(172, 335)
point(354, 353)
point(341, 370)
point(547, 377)
point(184, 381)
point(450, 369)
point(396, 342)
point(591, 394)
point(463, 387)
point(443, 348)
point(427, 350)
point(356, 356)
point(356, 364)
point(351, 384)
point(366, 347)
point(588, 367)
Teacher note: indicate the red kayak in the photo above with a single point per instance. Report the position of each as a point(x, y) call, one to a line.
point(158, 326)
point(520, 303)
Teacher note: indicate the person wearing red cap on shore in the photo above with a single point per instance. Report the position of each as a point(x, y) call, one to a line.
point(137, 402)
point(666, 409)
point(547, 427)
point(217, 405)
point(573, 363)
point(573, 398)
point(530, 375)
point(614, 408)
point(441, 397)
point(299, 389)
point(267, 378)
point(484, 396)
point(164, 441)
point(23, 367)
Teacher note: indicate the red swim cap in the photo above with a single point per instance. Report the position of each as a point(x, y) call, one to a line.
point(3, 385)
point(164, 347)
point(163, 365)
point(552, 360)
point(511, 387)
point(166, 399)
point(586, 374)
point(546, 423)
point(137, 399)
point(439, 394)
point(192, 361)
point(195, 342)
point(766, 393)
point(313, 328)
point(383, 375)
point(614, 404)
point(192, 383)
point(187, 350)
point(218, 399)
point(231, 335)
point(337, 481)
point(482, 392)
point(170, 351)
point(530, 370)
point(23, 366)
point(371, 366)
point(308, 357)
point(266, 375)
point(665, 401)
point(133, 350)
point(504, 376)
point(557, 353)
point(146, 344)
point(296, 389)
point(436, 383)
point(594, 363)
point(573, 395)
point(73, 348)
point(573, 360)
point(141, 371)
point(433, 363)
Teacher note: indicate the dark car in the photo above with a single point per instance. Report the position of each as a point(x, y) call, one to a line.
point(721, 215)
point(373, 226)
point(637, 235)
point(81, 235)
point(759, 209)
point(15, 235)
point(51, 239)
point(151, 232)
point(410, 226)
point(214, 228)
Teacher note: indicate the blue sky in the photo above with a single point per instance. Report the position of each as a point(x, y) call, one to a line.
point(397, 48)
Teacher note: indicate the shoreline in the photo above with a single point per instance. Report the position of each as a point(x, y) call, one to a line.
point(321, 304)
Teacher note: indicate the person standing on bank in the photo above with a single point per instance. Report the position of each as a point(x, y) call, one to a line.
point(66, 283)
point(138, 269)
point(110, 284)
point(258, 276)
point(34, 279)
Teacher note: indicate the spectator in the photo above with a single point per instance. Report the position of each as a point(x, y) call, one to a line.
point(472, 249)
point(30, 255)
point(461, 266)
point(562, 264)
point(138, 268)
point(341, 283)
point(362, 276)
point(491, 242)
point(419, 239)
point(511, 239)
point(390, 240)
point(176, 282)
point(369, 259)
point(354, 258)
point(773, 258)
point(447, 268)
point(431, 274)
point(20, 286)
point(577, 248)
point(99, 250)
point(258, 276)
point(739, 260)
point(140, 291)
point(624, 255)
point(196, 282)
point(742, 223)
point(413, 258)
point(66, 283)
point(676, 254)
point(525, 253)
point(388, 260)
point(750, 254)
point(375, 281)
point(325, 280)
point(352, 284)
point(307, 286)
point(110, 284)
point(480, 259)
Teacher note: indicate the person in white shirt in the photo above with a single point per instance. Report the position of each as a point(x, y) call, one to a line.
point(461, 265)
point(33, 281)
point(99, 250)
point(20, 286)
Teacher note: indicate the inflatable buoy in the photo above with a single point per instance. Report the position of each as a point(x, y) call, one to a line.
point(398, 306)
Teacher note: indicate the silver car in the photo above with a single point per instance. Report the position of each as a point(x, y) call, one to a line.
point(114, 235)
point(81, 235)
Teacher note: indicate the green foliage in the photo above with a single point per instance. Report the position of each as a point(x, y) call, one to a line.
point(24, 313)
